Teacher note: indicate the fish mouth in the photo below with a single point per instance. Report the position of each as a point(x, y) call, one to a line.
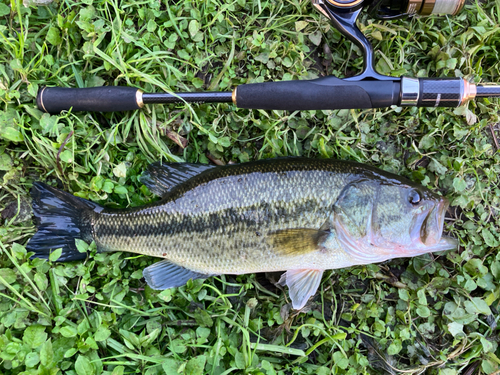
point(445, 243)
point(427, 233)
point(432, 226)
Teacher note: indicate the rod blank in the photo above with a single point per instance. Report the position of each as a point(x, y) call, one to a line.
point(189, 97)
point(488, 90)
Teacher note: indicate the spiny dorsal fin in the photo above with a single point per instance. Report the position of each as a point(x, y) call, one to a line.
point(165, 275)
point(161, 177)
point(296, 241)
point(302, 284)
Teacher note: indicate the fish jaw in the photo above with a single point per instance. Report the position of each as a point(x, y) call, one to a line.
point(362, 252)
point(432, 227)
point(430, 230)
point(445, 243)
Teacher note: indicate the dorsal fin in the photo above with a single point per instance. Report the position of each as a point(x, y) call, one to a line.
point(161, 177)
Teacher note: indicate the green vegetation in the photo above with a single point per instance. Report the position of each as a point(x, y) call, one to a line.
point(436, 313)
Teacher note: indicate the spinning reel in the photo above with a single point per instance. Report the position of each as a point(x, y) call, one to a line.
point(369, 89)
point(344, 13)
point(393, 9)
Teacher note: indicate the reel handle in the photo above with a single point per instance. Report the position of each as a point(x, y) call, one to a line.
point(345, 22)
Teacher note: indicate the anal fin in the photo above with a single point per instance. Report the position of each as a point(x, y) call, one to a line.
point(302, 284)
point(166, 275)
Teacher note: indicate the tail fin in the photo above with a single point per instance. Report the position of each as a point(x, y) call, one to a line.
point(60, 219)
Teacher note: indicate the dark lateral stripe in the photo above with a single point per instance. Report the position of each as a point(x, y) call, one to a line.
point(253, 218)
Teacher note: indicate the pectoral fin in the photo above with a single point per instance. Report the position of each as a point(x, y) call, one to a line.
point(296, 241)
point(165, 275)
point(302, 284)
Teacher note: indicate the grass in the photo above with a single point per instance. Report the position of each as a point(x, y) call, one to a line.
point(434, 313)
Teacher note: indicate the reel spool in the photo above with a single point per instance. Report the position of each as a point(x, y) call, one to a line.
point(393, 9)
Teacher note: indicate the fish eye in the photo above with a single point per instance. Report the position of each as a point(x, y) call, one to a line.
point(414, 197)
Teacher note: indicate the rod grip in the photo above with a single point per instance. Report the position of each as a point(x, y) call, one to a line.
point(94, 99)
point(322, 93)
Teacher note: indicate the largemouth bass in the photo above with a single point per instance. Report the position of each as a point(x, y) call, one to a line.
point(298, 215)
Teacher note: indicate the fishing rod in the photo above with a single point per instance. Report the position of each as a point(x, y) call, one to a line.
point(369, 89)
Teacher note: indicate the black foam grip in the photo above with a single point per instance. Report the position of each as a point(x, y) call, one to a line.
point(322, 93)
point(93, 99)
